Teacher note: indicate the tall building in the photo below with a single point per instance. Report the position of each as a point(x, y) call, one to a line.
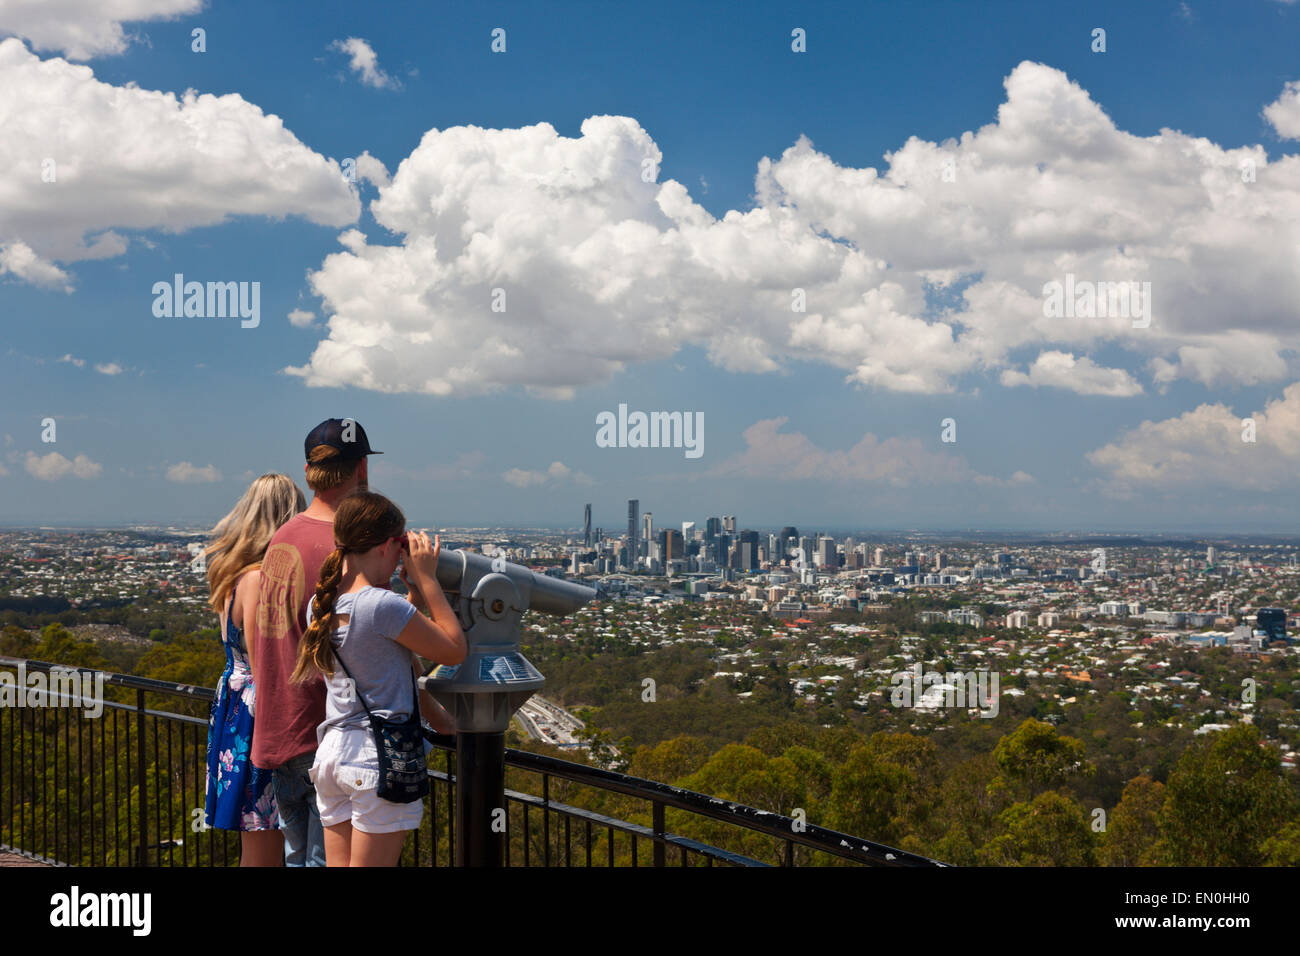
point(1210, 555)
point(729, 524)
point(633, 528)
point(688, 530)
point(1272, 621)
point(586, 526)
point(749, 554)
point(880, 557)
point(712, 528)
point(674, 547)
point(647, 529)
point(827, 556)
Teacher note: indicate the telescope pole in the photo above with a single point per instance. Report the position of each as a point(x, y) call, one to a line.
point(480, 792)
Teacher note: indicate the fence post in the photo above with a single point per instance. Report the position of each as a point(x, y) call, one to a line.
point(143, 850)
point(658, 818)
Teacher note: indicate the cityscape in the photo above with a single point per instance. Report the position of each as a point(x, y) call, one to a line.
point(856, 436)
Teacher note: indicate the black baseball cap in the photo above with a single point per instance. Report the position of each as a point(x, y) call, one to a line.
point(343, 434)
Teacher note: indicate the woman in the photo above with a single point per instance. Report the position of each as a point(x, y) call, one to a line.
point(356, 618)
point(240, 796)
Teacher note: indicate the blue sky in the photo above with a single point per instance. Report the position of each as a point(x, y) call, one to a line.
point(663, 295)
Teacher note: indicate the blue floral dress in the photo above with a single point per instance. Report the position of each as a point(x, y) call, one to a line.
point(240, 796)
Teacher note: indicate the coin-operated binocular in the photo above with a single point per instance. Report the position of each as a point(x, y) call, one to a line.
point(483, 692)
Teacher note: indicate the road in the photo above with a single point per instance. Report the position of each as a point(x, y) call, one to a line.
point(548, 722)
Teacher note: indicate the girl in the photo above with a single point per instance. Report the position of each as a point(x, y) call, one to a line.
point(376, 632)
point(240, 796)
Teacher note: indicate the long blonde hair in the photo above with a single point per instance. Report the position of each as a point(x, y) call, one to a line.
point(363, 520)
point(240, 538)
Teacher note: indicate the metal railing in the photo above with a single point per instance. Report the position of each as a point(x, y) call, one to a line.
point(128, 789)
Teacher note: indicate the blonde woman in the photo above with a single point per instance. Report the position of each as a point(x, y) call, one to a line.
point(241, 796)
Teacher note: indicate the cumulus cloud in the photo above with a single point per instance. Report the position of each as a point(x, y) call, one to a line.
point(82, 29)
point(132, 159)
point(1082, 375)
point(902, 462)
point(185, 473)
point(20, 261)
point(1204, 448)
point(54, 466)
point(1283, 114)
point(529, 258)
point(72, 359)
point(365, 63)
point(108, 368)
point(558, 472)
point(301, 318)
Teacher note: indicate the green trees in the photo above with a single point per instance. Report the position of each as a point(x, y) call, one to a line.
point(1050, 830)
point(1224, 800)
point(1133, 827)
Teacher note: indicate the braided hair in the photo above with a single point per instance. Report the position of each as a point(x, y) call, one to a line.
point(364, 520)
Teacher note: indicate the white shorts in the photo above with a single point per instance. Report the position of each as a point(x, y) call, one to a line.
point(346, 775)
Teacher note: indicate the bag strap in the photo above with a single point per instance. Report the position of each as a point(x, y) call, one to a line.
point(355, 686)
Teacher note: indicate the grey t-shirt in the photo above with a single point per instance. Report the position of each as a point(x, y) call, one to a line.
point(381, 667)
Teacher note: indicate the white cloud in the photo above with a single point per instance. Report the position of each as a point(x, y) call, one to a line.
point(80, 363)
point(301, 318)
point(1283, 114)
point(132, 159)
point(1082, 375)
point(108, 368)
point(184, 472)
point(902, 462)
point(365, 63)
point(1204, 448)
point(53, 466)
point(19, 260)
point(82, 29)
point(556, 473)
point(600, 268)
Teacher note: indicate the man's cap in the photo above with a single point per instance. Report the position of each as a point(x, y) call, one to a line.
point(343, 434)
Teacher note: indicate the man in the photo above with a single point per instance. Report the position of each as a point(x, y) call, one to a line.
point(288, 714)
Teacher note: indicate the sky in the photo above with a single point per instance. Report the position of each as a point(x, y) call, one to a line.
point(839, 235)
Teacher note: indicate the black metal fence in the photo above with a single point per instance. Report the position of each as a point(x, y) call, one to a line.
point(127, 788)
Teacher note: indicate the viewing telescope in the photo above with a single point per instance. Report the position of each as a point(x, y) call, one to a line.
point(483, 692)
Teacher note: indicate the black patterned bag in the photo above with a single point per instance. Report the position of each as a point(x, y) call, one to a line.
point(403, 773)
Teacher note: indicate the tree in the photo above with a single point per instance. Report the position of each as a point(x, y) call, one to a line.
point(1133, 827)
point(1035, 756)
point(1050, 830)
point(1223, 801)
point(1283, 848)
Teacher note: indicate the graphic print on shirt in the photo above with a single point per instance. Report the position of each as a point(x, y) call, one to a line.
point(282, 586)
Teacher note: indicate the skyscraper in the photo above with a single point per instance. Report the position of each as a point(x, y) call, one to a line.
point(586, 526)
point(648, 529)
point(633, 507)
point(729, 524)
point(1272, 621)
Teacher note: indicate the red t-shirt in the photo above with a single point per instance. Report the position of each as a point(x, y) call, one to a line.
point(287, 715)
